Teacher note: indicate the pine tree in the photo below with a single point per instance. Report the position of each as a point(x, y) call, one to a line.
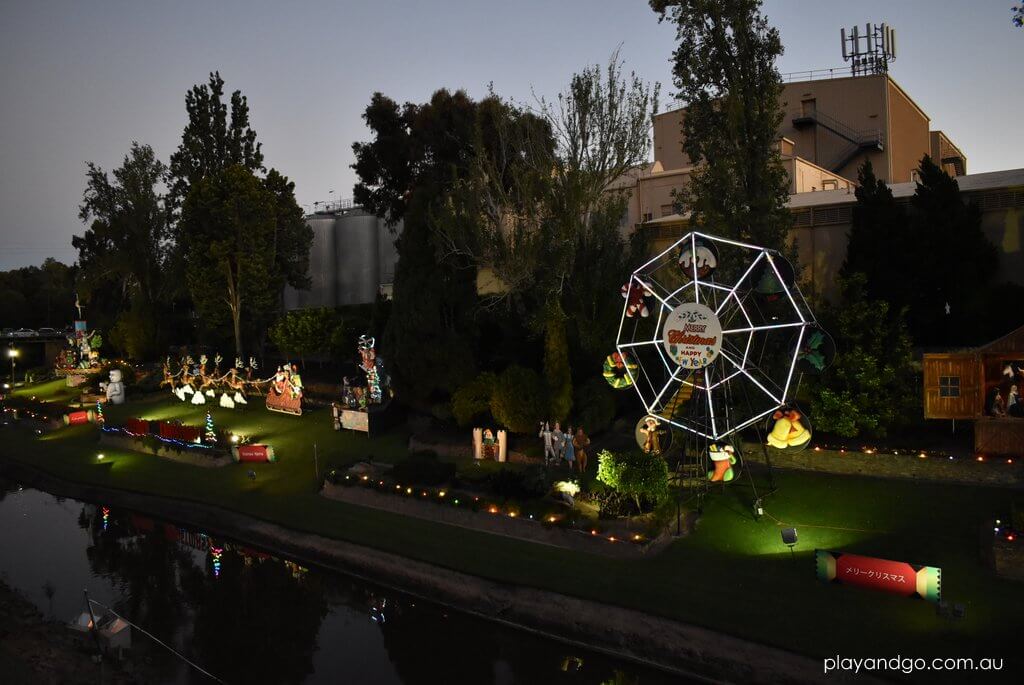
point(724, 68)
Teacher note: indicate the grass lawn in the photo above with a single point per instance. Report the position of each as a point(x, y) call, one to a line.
point(733, 574)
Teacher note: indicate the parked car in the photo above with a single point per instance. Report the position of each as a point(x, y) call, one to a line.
point(6, 333)
point(24, 333)
point(48, 332)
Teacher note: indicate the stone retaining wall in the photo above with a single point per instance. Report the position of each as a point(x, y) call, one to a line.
point(991, 472)
point(498, 524)
point(184, 456)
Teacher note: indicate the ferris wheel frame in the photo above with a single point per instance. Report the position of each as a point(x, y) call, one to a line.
point(715, 428)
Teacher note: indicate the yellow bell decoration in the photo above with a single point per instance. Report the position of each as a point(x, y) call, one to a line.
point(788, 430)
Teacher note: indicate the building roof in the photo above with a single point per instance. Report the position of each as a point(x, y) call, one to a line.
point(968, 183)
point(1011, 343)
point(1008, 178)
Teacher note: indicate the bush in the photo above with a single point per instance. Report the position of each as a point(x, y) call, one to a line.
point(472, 400)
point(529, 483)
point(517, 398)
point(557, 374)
point(423, 468)
point(641, 477)
point(595, 405)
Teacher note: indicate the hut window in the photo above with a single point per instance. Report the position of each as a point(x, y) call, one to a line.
point(949, 386)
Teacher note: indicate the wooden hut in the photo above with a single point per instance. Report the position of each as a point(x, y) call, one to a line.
point(983, 385)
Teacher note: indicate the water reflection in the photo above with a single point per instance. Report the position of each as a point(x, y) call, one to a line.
point(250, 617)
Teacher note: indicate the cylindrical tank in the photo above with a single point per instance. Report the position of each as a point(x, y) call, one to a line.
point(322, 268)
point(356, 257)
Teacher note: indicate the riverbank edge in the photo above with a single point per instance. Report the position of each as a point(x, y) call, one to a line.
point(653, 641)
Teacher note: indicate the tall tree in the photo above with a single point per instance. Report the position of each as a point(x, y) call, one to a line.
point(724, 69)
point(121, 256)
point(952, 265)
point(230, 220)
point(213, 140)
point(543, 215)
point(879, 244)
point(416, 154)
point(35, 296)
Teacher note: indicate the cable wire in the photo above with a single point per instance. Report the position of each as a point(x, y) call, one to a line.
point(160, 642)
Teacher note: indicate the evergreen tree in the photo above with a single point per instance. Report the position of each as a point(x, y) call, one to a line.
point(230, 220)
point(871, 387)
point(417, 153)
point(123, 254)
point(879, 243)
point(557, 373)
point(951, 263)
point(212, 140)
point(724, 68)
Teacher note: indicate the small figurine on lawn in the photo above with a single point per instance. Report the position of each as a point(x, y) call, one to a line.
point(581, 442)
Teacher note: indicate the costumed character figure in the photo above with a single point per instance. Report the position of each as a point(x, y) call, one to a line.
point(348, 396)
point(617, 370)
point(998, 405)
point(488, 443)
point(294, 381)
point(568, 450)
point(634, 294)
point(1014, 407)
point(724, 459)
point(652, 435)
point(280, 383)
point(545, 435)
point(581, 442)
point(115, 388)
point(558, 440)
point(788, 430)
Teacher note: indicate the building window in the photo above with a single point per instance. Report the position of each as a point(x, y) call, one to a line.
point(949, 386)
point(829, 184)
point(667, 210)
point(648, 216)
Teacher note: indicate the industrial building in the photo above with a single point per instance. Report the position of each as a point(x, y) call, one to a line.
point(833, 122)
point(352, 258)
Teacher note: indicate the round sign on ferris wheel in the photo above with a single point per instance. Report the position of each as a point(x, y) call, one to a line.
point(714, 329)
point(692, 335)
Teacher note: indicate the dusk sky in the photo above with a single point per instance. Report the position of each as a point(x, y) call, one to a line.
point(82, 80)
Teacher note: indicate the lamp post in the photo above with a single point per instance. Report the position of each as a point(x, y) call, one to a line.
point(13, 354)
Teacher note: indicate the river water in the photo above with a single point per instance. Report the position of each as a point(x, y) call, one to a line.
point(248, 617)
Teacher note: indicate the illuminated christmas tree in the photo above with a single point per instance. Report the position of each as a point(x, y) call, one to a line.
point(211, 431)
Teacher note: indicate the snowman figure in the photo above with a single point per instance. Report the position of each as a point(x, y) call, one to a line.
point(115, 388)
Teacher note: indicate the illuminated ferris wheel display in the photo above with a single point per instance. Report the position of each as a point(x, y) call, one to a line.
point(713, 333)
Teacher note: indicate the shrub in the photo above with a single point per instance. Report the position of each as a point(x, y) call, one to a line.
point(557, 374)
point(595, 405)
point(517, 398)
point(423, 468)
point(531, 482)
point(473, 399)
point(641, 477)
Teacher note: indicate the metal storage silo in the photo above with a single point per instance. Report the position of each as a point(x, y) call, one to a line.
point(356, 257)
point(322, 266)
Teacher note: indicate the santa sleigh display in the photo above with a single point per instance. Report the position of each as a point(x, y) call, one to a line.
point(285, 393)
